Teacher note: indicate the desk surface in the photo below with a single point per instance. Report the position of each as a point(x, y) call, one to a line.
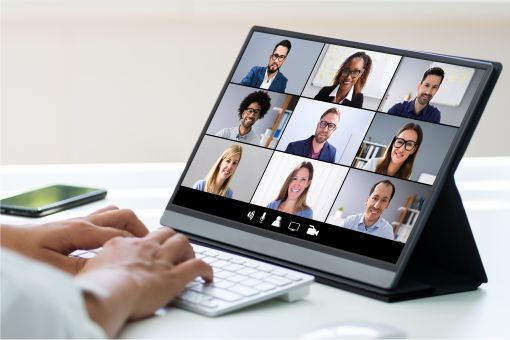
point(484, 184)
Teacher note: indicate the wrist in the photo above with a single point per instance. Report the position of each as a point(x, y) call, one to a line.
point(107, 299)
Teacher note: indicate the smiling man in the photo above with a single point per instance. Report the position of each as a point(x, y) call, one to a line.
point(270, 77)
point(316, 146)
point(371, 221)
point(253, 107)
point(419, 107)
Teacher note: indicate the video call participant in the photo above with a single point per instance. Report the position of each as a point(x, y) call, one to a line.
point(292, 196)
point(399, 157)
point(419, 107)
point(316, 146)
point(253, 107)
point(370, 221)
point(270, 77)
point(349, 81)
point(221, 173)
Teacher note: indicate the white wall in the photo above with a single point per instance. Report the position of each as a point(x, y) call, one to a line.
point(134, 81)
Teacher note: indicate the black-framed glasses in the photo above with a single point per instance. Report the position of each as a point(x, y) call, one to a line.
point(323, 124)
point(353, 73)
point(252, 111)
point(409, 144)
point(279, 57)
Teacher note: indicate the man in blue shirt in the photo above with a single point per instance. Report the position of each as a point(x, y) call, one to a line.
point(370, 221)
point(269, 77)
point(316, 146)
point(419, 107)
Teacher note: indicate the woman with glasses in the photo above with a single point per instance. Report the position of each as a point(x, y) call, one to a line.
point(292, 196)
point(221, 173)
point(348, 82)
point(399, 158)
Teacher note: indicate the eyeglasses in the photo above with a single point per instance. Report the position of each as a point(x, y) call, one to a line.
point(323, 124)
point(252, 111)
point(409, 144)
point(278, 57)
point(353, 73)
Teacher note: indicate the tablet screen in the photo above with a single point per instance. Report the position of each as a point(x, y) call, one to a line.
point(332, 144)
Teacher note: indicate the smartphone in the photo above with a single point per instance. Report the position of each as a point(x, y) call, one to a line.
point(49, 200)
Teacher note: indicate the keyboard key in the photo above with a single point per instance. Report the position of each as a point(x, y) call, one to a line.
point(211, 252)
point(251, 282)
point(279, 272)
point(237, 278)
point(223, 284)
point(233, 267)
point(247, 271)
point(260, 275)
point(194, 297)
point(220, 264)
point(223, 274)
point(209, 259)
point(220, 293)
point(238, 260)
point(198, 249)
point(224, 256)
point(251, 264)
point(213, 303)
point(264, 287)
point(266, 268)
point(279, 281)
point(244, 291)
point(294, 277)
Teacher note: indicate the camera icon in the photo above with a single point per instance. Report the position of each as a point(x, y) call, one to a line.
point(312, 231)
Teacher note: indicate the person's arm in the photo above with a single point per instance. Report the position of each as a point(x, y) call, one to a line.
point(248, 79)
point(53, 242)
point(138, 276)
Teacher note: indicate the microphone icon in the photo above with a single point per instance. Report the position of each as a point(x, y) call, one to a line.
point(262, 218)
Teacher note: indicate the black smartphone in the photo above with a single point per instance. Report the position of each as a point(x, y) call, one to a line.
point(49, 200)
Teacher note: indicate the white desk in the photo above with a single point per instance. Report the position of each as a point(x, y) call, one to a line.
point(485, 188)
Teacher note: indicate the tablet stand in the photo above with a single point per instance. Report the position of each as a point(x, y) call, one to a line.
point(445, 259)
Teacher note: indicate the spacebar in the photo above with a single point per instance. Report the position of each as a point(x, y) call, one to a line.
point(219, 293)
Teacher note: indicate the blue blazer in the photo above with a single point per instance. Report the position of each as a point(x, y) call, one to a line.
point(256, 75)
point(303, 147)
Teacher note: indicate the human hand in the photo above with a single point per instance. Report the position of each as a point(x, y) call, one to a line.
point(53, 242)
point(139, 276)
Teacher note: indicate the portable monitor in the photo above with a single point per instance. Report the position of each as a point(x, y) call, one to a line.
point(336, 158)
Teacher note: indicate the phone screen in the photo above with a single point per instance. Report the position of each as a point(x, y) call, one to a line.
point(46, 196)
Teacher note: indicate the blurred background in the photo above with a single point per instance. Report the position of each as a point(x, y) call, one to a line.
point(135, 80)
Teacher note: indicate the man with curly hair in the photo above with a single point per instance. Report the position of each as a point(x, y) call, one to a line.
point(253, 107)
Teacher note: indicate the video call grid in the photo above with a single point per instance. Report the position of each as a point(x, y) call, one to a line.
point(351, 166)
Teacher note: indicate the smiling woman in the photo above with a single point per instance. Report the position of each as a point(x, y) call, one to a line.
point(399, 157)
point(348, 82)
point(221, 173)
point(292, 196)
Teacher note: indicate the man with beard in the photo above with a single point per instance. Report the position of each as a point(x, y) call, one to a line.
point(269, 77)
point(253, 107)
point(419, 108)
point(316, 146)
point(371, 221)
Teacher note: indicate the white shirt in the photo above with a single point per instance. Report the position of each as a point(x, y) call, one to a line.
point(39, 301)
point(234, 133)
point(349, 95)
point(267, 82)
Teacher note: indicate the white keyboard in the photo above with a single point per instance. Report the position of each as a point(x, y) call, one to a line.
point(240, 282)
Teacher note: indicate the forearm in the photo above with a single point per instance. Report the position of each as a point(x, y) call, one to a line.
point(111, 306)
point(13, 238)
